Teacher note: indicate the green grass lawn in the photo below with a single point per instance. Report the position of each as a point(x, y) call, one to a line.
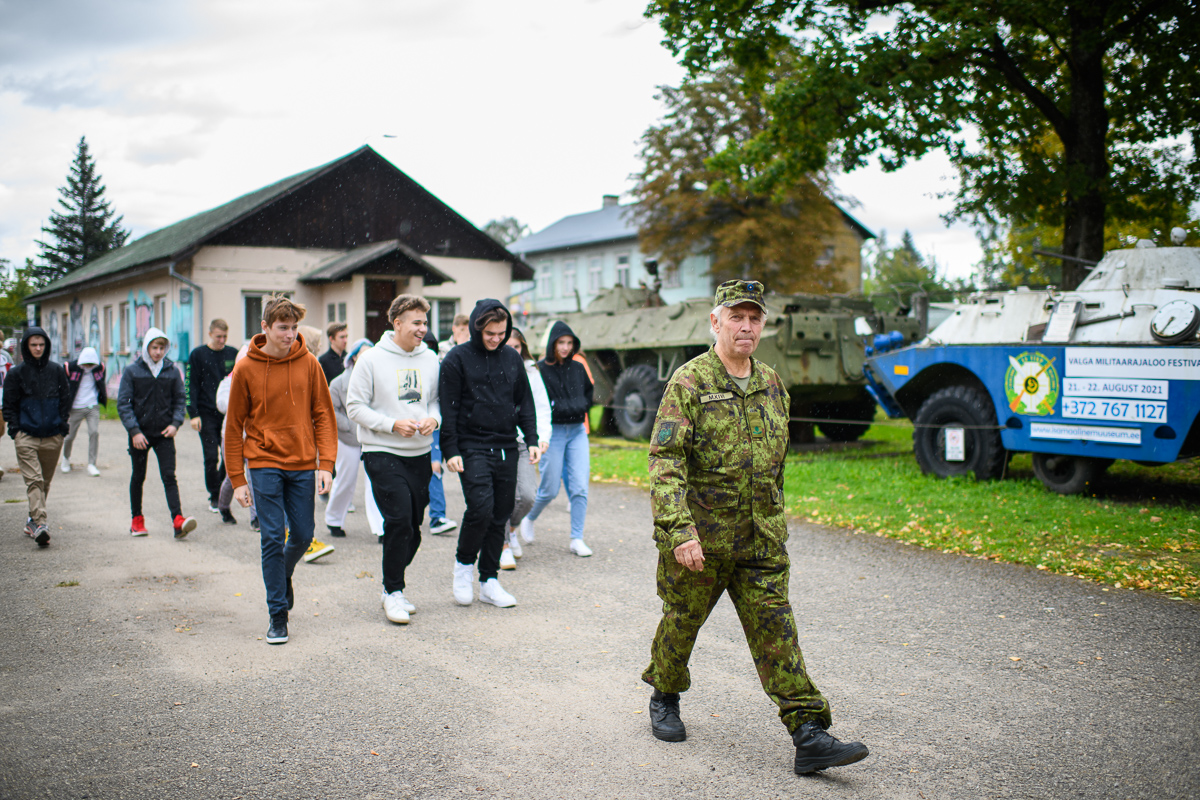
point(1138, 530)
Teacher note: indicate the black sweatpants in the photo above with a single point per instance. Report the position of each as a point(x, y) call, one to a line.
point(489, 484)
point(212, 428)
point(164, 452)
point(401, 487)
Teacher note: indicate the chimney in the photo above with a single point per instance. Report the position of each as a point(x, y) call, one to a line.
point(610, 200)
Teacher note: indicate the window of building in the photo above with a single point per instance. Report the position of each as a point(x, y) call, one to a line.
point(545, 279)
point(672, 278)
point(253, 306)
point(595, 275)
point(568, 278)
point(106, 331)
point(331, 312)
point(160, 312)
point(124, 325)
point(441, 316)
point(623, 269)
point(341, 312)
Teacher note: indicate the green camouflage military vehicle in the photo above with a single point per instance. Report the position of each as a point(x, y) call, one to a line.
point(634, 343)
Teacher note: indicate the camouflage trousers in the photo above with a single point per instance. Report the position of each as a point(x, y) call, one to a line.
point(759, 591)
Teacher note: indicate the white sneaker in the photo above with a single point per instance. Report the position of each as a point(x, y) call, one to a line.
point(490, 591)
point(351, 509)
point(464, 583)
point(580, 549)
point(514, 543)
point(66, 465)
point(506, 559)
point(393, 608)
point(409, 607)
point(95, 473)
point(527, 530)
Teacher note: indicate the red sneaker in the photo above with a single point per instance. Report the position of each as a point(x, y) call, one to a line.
point(138, 526)
point(184, 525)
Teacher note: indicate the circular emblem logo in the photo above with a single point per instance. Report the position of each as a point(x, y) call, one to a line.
point(1031, 384)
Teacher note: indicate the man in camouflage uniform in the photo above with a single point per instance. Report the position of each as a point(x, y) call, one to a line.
point(716, 465)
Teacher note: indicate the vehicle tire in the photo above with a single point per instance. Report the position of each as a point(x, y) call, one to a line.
point(846, 431)
point(1068, 474)
point(635, 401)
point(970, 409)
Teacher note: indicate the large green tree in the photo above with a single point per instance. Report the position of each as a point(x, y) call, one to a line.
point(505, 230)
point(1055, 114)
point(694, 198)
point(15, 286)
point(84, 227)
point(897, 273)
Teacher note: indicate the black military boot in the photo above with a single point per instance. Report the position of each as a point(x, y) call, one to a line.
point(664, 717)
point(817, 750)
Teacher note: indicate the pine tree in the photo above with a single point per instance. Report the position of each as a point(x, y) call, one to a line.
point(85, 228)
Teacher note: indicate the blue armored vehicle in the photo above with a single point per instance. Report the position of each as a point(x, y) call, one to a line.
point(1077, 378)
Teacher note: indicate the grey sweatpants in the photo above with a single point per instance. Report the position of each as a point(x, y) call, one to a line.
point(78, 415)
point(527, 486)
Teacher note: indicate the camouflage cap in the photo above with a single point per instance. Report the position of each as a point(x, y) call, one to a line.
point(731, 293)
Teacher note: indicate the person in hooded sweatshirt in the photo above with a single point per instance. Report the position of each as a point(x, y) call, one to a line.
point(37, 405)
point(485, 396)
point(345, 476)
point(280, 420)
point(393, 398)
point(88, 392)
point(568, 459)
point(152, 405)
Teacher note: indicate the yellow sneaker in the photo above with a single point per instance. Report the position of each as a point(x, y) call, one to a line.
point(317, 550)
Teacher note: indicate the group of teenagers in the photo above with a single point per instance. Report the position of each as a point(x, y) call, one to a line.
point(287, 429)
point(277, 424)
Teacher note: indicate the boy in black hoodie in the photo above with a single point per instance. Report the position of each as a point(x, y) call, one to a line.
point(37, 405)
point(151, 404)
point(484, 395)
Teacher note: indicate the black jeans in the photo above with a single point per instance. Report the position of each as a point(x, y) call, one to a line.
point(164, 451)
point(489, 484)
point(401, 488)
point(212, 429)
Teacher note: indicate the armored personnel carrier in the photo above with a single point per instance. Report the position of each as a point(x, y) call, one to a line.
point(634, 343)
point(1077, 378)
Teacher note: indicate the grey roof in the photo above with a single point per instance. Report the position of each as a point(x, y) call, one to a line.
point(341, 266)
point(592, 227)
point(611, 224)
point(175, 240)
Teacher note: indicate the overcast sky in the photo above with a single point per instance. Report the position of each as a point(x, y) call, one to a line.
point(526, 108)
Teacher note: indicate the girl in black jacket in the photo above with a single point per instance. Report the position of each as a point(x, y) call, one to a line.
point(568, 460)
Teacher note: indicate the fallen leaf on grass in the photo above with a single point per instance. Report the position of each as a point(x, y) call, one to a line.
point(374, 753)
point(1013, 658)
point(194, 764)
point(364, 574)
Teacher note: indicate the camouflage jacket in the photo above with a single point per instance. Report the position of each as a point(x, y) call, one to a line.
point(716, 461)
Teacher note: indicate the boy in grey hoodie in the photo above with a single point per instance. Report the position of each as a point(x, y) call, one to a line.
point(393, 399)
point(152, 405)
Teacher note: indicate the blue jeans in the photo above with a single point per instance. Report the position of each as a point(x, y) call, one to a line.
point(568, 461)
point(284, 501)
point(437, 495)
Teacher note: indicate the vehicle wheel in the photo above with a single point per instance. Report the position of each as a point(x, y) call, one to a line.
point(1068, 474)
point(846, 431)
point(958, 407)
point(635, 401)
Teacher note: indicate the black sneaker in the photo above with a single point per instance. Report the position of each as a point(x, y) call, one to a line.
point(817, 750)
point(334, 530)
point(227, 517)
point(277, 633)
point(664, 717)
point(254, 523)
point(41, 535)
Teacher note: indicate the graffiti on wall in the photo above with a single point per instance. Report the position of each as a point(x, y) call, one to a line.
point(76, 339)
point(93, 339)
point(140, 317)
point(52, 332)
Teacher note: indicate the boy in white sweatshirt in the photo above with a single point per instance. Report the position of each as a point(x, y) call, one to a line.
point(393, 399)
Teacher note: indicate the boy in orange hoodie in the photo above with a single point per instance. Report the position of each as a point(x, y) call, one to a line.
point(279, 401)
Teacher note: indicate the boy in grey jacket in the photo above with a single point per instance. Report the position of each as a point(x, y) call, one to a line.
point(349, 455)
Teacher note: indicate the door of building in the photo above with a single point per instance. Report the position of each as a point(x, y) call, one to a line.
point(380, 294)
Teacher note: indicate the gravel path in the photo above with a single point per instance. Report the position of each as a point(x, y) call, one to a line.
point(151, 679)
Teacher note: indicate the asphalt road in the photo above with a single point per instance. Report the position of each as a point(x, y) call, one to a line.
point(151, 677)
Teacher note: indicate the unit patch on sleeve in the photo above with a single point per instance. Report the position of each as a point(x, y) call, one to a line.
point(666, 434)
point(710, 398)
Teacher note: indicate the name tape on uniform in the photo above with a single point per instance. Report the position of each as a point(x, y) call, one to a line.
point(710, 398)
